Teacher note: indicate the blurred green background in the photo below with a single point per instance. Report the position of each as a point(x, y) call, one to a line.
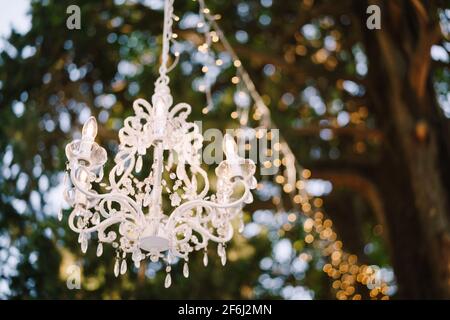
point(366, 111)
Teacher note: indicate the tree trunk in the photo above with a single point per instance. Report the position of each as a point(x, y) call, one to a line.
point(411, 174)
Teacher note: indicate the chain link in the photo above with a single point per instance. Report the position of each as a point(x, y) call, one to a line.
point(163, 79)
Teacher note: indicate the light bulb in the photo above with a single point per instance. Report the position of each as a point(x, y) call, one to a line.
point(230, 147)
point(89, 129)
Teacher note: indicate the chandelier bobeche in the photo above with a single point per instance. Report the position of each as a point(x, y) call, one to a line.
point(131, 214)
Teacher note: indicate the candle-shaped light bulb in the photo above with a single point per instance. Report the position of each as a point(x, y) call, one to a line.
point(230, 147)
point(89, 129)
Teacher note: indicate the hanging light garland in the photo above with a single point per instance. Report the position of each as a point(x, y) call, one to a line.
point(343, 268)
point(131, 215)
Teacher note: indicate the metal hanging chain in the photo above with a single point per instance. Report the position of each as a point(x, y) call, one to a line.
point(166, 38)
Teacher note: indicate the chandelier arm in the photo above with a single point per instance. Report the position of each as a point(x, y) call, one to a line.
point(126, 201)
point(197, 227)
point(206, 203)
point(195, 169)
point(103, 211)
point(117, 184)
point(101, 227)
point(206, 182)
point(177, 108)
point(187, 233)
point(104, 224)
point(205, 235)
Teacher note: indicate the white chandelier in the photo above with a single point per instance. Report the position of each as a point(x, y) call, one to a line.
point(131, 214)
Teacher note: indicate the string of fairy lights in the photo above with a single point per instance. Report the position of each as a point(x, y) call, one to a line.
point(342, 267)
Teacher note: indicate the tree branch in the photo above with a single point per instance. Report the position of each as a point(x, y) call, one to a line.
point(361, 132)
point(358, 184)
point(299, 73)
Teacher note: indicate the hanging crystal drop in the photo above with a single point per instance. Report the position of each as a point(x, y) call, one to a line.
point(181, 172)
point(241, 225)
point(95, 218)
point(123, 267)
point(84, 245)
point(80, 222)
point(116, 268)
point(137, 263)
point(60, 214)
point(220, 250)
point(223, 258)
point(138, 166)
point(205, 259)
point(168, 281)
point(99, 249)
point(186, 270)
point(68, 196)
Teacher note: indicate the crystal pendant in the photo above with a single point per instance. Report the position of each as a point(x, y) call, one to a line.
point(205, 259)
point(84, 245)
point(116, 268)
point(123, 267)
point(186, 270)
point(60, 215)
point(220, 250)
point(241, 225)
point(136, 257)
point(249, 198)
point(223, 259)
point(168, 281)
point(99, 249)
point(138, 166)
point(80, 237)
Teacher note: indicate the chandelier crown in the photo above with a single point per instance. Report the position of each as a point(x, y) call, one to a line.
point(129, 211)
